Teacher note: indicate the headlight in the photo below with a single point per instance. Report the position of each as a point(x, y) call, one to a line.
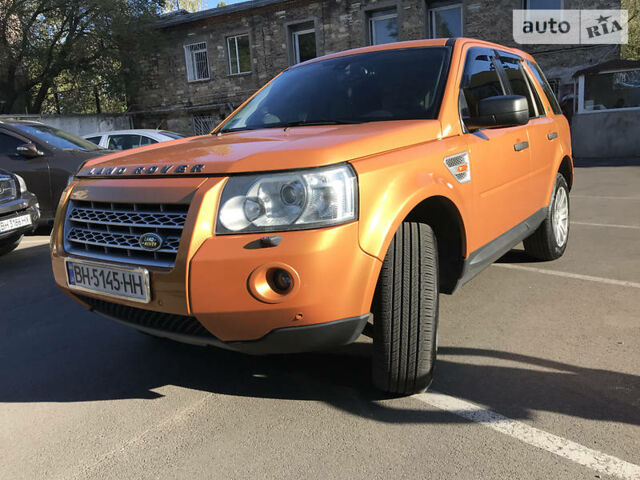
point(288, 201)
point(22, 183)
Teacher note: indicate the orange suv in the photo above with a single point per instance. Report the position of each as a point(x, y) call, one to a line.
point(340, 199)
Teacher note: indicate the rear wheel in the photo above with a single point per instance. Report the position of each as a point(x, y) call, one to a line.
point(405, 312)
point(9, 244)
point(549, 241)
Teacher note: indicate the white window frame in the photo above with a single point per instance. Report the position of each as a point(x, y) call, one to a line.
point(295, 40)
point(432, 17)
point(237, 62)
point(374, 18)
point(189, 56)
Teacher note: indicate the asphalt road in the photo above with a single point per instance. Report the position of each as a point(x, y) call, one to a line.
point(538, 378)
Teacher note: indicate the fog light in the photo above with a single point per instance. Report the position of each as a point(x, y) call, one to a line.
point(274, 282)
point(281, 280)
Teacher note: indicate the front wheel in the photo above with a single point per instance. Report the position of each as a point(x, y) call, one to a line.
point(549, 241)
point(405, 312)
point(9, 244)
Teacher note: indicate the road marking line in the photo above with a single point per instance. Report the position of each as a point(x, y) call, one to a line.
point(573, 195)
point(593, 459)
point(605, 225)
point(589, 278)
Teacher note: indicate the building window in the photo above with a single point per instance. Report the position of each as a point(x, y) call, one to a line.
point(239, 54)
point(609, 91)
point(303, 42)
point(197, 62)
point(383, 26)
point(203, 124)
point(543, 4)
point(446, 22)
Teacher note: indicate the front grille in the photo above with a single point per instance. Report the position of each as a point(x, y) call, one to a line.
point(112, 231)
point(8, 189)
point(166, 322)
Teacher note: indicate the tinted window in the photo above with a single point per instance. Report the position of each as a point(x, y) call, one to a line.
point(8, 144)
point(479, 80)
point(95, 140)
point(518, 82)
point(375, 86)
point(147, 140)
point(546, 87)
point(123, 142)
point(55, 137)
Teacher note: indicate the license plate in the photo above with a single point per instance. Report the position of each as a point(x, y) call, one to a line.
point(14, 223)
point(127, 283)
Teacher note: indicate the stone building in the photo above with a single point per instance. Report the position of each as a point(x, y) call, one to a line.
point(214, 59)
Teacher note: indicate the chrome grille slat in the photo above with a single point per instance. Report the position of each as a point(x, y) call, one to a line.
point(111, 231)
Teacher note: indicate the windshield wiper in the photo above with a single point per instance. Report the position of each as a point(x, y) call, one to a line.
point(296, 123)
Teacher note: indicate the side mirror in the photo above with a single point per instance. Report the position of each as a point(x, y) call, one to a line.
point(499, 112)
point(29, 150)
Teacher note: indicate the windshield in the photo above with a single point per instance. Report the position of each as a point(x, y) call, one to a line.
point(56, 138)
point(368, 87)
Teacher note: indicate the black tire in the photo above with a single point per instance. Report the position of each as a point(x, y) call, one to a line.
point(544, 243)
point(9, 244)
point(405, 312)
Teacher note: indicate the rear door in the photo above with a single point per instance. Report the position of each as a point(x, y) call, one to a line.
point(541, 129)
point(34, 171)
point(499, 157)
point(547, 148)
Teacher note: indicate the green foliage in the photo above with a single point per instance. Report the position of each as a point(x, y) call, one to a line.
point(631, 51)
point(188, 5)
point(75, 48)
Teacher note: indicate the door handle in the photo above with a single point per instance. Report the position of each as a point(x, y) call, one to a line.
point(552, 135)
point(520, 146)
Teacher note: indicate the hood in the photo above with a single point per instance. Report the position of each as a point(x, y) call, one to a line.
point(264, 150)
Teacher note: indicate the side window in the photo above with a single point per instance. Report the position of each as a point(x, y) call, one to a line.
point(480, 79)
point(123, 142)
point(546, 87)
point(518, 81)
point(8, 144)
point(147, 140)
point(95, 140)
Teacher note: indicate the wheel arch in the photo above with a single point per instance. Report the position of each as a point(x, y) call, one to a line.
point(566, 170)
point(443, 216)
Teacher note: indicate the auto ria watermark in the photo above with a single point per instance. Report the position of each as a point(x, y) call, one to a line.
point(589, 27)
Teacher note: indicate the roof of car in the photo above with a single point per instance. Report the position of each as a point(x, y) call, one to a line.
point(433, 42)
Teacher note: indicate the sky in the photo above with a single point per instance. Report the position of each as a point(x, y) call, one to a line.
point(214, 3)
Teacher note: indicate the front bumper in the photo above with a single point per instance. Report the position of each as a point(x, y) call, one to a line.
point(26, 204)
point(210, 282)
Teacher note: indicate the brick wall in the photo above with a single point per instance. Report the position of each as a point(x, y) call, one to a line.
point(167, 100)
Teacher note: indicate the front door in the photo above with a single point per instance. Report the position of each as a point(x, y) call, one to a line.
point(500, 157)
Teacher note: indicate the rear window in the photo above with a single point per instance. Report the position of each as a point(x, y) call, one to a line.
point(171, 134)
point(95, 140)
point(537, 72)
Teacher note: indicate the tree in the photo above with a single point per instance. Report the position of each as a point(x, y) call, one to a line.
point(188, 5)
point(49, 44)
point(631, 50)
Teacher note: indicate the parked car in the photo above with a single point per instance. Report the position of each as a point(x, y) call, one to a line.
point(126, 139)
point(341, 198)
point(19, 212)
point(45, 156)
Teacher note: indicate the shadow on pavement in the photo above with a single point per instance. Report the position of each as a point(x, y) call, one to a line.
point(52, 350)
point(606, 162)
